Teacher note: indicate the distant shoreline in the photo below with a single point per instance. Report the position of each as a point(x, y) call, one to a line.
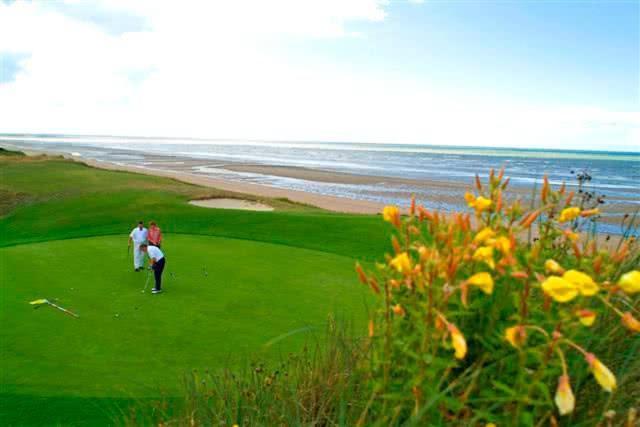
point(182, 168)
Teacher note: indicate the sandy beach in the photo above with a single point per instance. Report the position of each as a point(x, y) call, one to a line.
point(204, 172)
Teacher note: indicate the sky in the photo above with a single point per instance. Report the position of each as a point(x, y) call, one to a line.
point(528, 74)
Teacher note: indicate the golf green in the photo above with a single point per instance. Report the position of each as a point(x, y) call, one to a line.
point(225, 299)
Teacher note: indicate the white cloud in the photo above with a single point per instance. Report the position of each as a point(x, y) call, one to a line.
point(217, 69)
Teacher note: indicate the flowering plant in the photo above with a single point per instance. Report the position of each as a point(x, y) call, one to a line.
point(498, 315)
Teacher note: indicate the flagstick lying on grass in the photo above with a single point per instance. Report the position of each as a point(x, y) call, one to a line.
point(40, 302)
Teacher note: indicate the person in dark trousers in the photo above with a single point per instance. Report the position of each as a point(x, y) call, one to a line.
point(157, 259)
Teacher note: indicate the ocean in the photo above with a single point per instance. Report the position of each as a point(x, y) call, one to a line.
point(615, 174)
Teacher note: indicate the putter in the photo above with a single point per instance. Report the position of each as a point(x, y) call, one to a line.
point(147, 282)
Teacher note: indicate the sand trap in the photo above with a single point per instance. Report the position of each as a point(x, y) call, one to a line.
point(231, 204)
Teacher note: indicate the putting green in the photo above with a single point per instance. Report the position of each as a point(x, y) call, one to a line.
point(129, 344)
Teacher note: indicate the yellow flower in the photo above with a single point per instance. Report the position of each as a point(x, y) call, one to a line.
point(630, 282)
point(484, 234)
point(402, 263)
point(601, 373)
point(586, 317)
point(551, 266)
point(503, 244)
point(391, 214)
point(398, 310)
point(482, 280)
point(485, 254)
point(490, 425)
point(516, 335)
point(630, 322)
point(565, 401)
point(458, 341)
point(569, 214)
point(585, 284)
point(482, 204)
point(559, 289)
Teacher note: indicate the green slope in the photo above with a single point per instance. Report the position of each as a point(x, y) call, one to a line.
point(63, 230)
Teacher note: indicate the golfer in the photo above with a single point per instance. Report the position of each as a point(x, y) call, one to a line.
point(138, 236)
point(155, 235)
point(157, 259)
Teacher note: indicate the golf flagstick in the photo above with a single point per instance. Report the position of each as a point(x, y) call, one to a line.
point(70, 313)
point(40, 302)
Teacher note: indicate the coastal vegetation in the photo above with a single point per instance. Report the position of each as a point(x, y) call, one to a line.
point(505, 316)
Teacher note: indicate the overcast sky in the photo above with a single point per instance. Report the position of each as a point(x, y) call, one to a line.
point(560, 74)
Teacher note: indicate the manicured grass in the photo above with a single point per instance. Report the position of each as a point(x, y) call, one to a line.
point(63, 234)
point(225, 299)
point(62, 200)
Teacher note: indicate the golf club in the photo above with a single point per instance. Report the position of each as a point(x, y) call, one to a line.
point(147, 282)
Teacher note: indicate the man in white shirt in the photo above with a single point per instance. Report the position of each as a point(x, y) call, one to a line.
point(138, 236)
point(157, 260)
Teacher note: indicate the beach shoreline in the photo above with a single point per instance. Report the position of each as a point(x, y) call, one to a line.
point(196, 171)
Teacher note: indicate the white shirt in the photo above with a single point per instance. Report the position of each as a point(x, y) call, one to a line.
point(139, 236)
point(155, 253)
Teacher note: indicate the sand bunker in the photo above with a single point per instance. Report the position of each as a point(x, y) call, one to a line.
point(231, 204)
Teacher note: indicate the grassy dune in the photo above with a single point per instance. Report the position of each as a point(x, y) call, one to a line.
point(63, 236)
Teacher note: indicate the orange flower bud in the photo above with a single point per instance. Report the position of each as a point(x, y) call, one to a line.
point(361, 274)
point(597, 264)
point(590, 212)
point(424, 214)
point(412, 209)
point(576, 250)
point(520, 275)
point(373, 283)
point(371, 328)
point(630, 322)
point(396, 245)
point(569, 198)
point(622, 252)
point(506, 182)
point(530, 218)
point(545, 189)
point(464, 295)
point(478, 183)
point(398, 310)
